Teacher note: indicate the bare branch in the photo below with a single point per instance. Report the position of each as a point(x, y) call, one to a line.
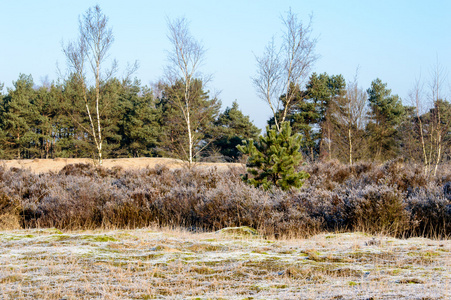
point(277, 70)
point(93, 44)
point(269, 78)
point(130, 70)
point(185, 59)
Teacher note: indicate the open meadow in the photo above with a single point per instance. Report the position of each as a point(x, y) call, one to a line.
point(227, 264)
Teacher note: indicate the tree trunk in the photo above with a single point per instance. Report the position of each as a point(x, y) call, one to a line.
point(99, 131)
point(350, 146)
point(190, 136)
point(329, 141)
point(18, 146)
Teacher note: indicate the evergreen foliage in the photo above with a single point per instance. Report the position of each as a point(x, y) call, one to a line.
point(18, 119)
point(231, 128)
point(273, 159)
point(303, 117)
point(173, 141)
point(139, 126)
point(386, 113)
point(325, 91)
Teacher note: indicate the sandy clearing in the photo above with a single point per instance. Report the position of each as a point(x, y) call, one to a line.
point(55, 165)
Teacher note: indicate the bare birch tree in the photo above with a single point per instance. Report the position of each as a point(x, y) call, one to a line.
point(432, 125)
point(416, 96)
point(350, 120)
point(280, 67)
point(91, 48)
point(439, 123)
point(185, 58)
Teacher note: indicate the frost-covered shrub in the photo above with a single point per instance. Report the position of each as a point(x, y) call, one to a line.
point(430, 211)
point(9, 212)
point(378, 208)
point(392, 198)
point(447, 190)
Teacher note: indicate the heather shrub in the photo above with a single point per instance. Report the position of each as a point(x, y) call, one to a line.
point(332, 174)
point(430, 211)
point(393, 198)
point(444, 174)
point(89, 170)
point(9, 213)
point(378, 209)
point(326, 208)
point(447, 190)
point(404, 176)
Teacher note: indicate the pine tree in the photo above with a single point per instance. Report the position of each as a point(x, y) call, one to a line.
point(231, 128)
point(139, 126)
point(303, 116)
point(18, 116)
point(47, 102)
point(273, 159)
point(386, 113)
point(324, 91)
point(177, 137)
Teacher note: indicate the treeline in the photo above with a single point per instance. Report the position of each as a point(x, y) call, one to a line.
point(336, 121)
point(345, 122)
point(52, 121)
point(108, 117)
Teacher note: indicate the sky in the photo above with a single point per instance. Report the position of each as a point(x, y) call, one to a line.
point(397, 41)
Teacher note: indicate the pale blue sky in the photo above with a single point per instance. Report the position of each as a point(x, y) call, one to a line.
point(393, 40)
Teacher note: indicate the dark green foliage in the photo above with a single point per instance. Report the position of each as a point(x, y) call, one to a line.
point(51, 121)
point(312, 113)
point(18, 119)
point(139, 125)
point(303, 117)
point(325, 91)
point(203, 111)
point(274, 158)
point(385, 116)
point(231, 128)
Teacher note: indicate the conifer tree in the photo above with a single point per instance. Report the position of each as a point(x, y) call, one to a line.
point(139, 126)
point(303, 117)
point(177, 137)
point(231, 128)
point(273, 159)
point(18, 116)
point(324, 91)
point(386, 113)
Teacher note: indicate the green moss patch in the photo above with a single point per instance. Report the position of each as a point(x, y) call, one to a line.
point(239, 231)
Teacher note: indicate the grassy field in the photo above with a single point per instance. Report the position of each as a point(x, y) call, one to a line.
point(228, 264)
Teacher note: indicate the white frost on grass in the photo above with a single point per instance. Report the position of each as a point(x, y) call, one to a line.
point(168, 264)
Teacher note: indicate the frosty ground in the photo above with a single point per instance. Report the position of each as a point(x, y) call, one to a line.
point(229, 264)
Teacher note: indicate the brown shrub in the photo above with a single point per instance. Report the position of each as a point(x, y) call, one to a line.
point(393, 198)
point(9, 213)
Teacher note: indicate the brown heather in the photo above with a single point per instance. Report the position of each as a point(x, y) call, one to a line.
point(395, 198)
